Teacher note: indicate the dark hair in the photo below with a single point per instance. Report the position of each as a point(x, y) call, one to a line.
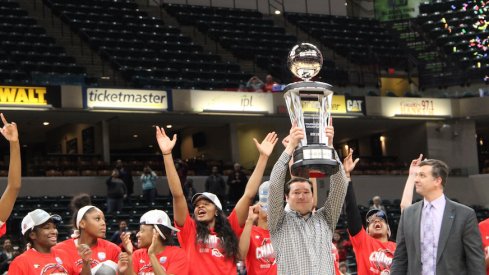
point(167, 232)
point(438, 169)
point(77, 203)
point(224, 232)
point(294, 180)
point(27, 238)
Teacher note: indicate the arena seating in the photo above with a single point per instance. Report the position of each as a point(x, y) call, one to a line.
point(146, 51)
point(362, 40)
point(249, 35)
point(451, 29)
point(28, 54)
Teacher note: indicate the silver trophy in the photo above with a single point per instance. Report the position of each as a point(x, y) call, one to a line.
point(309, 104)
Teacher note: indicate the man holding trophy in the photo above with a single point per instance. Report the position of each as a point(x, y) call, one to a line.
point(301, 238)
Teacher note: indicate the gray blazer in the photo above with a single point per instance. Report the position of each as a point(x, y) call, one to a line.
point(459, 246)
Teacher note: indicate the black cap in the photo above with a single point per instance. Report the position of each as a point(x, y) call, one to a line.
point(378, 213)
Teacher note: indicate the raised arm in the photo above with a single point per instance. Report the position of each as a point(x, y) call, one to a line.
point(276, 194)
point(338, 185)
point(155, 262)
point(244, 240)
point(180, 208)
point(125, 258)
point(265, 148)
point(7, 201)
point(352, 213)
point(407, 194)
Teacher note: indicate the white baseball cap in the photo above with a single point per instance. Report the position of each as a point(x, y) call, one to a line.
point(213, 198)
point(105, 268)
point(263, 195)
point(37, 217)
point(155, 217)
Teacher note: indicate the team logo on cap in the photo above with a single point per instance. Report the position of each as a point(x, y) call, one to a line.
point(58, 260)
point(162, 260)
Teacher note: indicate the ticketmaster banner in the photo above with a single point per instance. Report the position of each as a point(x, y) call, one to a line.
point(386, 10)
point(102, 98)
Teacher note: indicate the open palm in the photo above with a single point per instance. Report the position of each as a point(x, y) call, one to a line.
point(348, 162)
point(267, 145)
point(166, 144)
point(152, 247)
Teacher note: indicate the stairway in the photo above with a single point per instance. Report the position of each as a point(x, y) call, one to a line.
point(99, 71)
point(200, 38)
point(433, 67)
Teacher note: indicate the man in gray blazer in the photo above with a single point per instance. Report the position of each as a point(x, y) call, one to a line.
point(437, 235)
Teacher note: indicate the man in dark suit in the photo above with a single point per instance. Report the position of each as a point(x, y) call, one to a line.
point(437, 235)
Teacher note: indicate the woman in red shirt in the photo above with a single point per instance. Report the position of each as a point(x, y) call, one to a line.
point(209, 238)
point(90, 228)
point(373, 250)
point(40, 232)
point(157, 253)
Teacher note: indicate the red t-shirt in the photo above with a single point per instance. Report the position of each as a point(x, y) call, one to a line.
point(261, 256)
point(207, 258)
point(373, 256)
point(173, 260)
point(101, 252)
point(484, 228)
point(3, 228)
point(33, 262)
point(336, 256)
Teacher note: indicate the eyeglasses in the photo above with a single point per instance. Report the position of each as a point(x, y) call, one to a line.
point(378, 214)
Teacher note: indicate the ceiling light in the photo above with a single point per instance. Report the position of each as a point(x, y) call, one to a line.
point(135, 136)
point(169, 126)
point(45, 123)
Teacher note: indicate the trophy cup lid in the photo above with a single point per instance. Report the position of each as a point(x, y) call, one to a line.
point(305, 61)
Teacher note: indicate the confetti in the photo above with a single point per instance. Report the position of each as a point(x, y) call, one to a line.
point(475, 30)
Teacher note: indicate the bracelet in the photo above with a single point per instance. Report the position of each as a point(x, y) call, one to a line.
point(166, 154)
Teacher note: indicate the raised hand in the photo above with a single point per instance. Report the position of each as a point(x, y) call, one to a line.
point(413, 168)
point(84, 252)
point(266, 146)
point(295, 134)
point(152, 247)
point(286, 141)
point(348, 163)
point(9, 130)
point(126, 242)
point(253, 212)
point(123, 263)
point(166, 144)
point(330, 131)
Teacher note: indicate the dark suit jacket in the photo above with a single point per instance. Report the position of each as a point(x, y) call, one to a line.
point(459, 246)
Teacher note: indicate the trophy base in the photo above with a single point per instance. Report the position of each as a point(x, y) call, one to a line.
point(314, 161)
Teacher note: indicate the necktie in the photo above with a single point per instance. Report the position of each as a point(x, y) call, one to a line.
point(428, 253)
